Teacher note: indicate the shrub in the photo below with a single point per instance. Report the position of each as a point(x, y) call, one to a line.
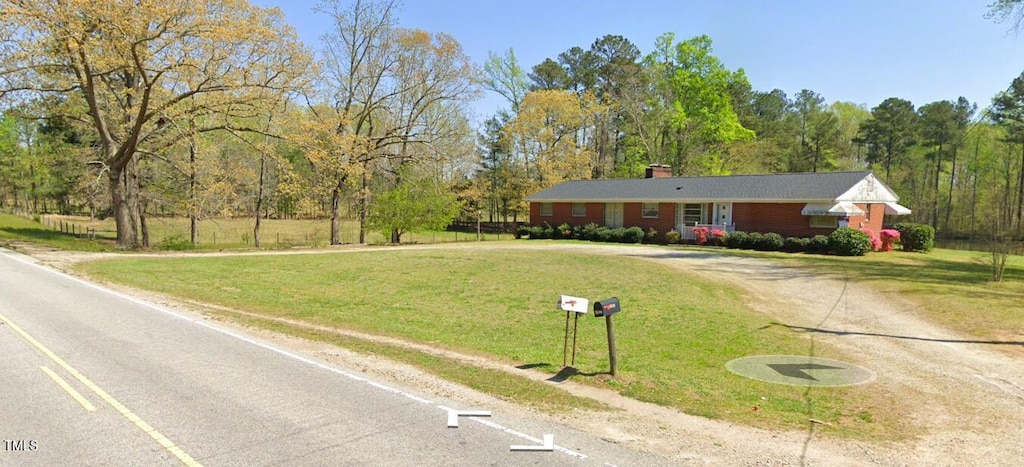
point(700, 234)
point(769, 242)
point(846, 241)
point(737, 239)
point(753, 240)
point(176, 242)
point(889, 238)
point(817, 244)
point(876, 242)
point(590, 232)
point(522, 231)
point(719, 237)
point(603, 234)
point(795, 244)
point(563, 231)
point(916, 237)
point(673, 236)
point(651, 236)
point(536, 232)
point(632, 235)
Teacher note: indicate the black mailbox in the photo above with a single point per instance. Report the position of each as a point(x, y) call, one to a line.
point(607, 307)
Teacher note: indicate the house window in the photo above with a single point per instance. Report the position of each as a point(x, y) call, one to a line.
point(824, 222)
point(547, 209)
point(579, 210)
point(693, 214)
point(649, 210)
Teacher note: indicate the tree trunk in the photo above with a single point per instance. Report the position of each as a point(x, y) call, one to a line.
point(127, 236)
point(1020, 190)
point(193, 195)
point(336, 214)
point(949, 199)
point(364, 201)
point(935, 194)
point(259, 202)
point(144, 227)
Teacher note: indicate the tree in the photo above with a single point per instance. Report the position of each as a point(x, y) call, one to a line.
point(384, 93)
point(889, 132)
point(136, 66)
point(418, 203)
point(547, 76)
point(1007, 10)
point(1007, 111)
point(504, 75)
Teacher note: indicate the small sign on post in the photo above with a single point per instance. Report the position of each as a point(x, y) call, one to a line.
point(571, 306)
point(607, 308)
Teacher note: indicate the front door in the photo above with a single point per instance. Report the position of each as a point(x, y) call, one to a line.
point(613, 215)
point(722, 214)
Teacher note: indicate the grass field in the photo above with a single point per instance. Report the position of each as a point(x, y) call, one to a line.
point(953, 288)
point(216, 234)
point(674, 336)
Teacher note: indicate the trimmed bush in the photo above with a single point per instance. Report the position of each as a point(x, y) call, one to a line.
point(603, 234)
point(818, 244)
point(632, 235)
point(769, 242)
point(736, 239)
point(846, 241)
point(916, 237)
point(672, 236)
point(563, 231)
point(753, 240)
point(795, 244)
point(522, 231)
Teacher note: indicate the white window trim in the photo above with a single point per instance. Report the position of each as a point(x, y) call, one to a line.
point(550, 209)
point(643, 210)
point(703, 213)
point(584, 209)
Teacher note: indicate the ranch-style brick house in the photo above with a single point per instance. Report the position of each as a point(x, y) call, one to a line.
point(790, 204)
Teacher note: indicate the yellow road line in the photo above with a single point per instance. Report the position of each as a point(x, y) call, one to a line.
point(70, 390)
point(142, 425)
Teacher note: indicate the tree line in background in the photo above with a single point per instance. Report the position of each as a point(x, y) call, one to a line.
point(213, 108)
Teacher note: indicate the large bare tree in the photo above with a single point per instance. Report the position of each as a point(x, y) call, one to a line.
point(138, 66)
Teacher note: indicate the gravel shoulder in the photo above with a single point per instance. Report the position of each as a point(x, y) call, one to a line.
point(967, 397)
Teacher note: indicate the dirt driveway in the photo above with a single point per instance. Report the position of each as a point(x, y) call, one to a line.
point(968, 397)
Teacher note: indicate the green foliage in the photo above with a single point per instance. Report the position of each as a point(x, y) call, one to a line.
point(916, 237)
point(590, 232)
point(752, 241)
point(673, 236)
point(737, 239)
point(417, 204)
point(632, 235)
point(651, 236)
point(818, 244)
point(769, 242)
point(177, 242)
point(846, 241)
point(795, 244)
point(564, 230)
point(522, 231)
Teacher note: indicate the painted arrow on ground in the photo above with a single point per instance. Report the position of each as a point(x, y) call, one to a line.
point(795, 370)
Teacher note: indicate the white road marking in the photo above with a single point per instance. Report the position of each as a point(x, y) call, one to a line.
point(285, 353)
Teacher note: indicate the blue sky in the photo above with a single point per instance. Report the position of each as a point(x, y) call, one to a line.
point(861, 51)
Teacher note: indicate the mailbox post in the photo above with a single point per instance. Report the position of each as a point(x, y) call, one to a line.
point(607, 308)
point(571, 306)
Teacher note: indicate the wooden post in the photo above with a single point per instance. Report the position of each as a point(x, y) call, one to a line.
point(611, 342)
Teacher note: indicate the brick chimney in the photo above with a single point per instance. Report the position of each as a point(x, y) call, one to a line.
point(658, 171)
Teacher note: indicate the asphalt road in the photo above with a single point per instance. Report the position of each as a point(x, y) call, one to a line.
point(93, 377)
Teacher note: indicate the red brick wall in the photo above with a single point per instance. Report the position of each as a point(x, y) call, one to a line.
point(781, 218)
point(873, 219)
point(562, 213)
point(632, 216)
point(786, 220)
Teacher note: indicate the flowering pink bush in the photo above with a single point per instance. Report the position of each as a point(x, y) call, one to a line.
point(719, 237)
point(889, 237)
point(876, 243)
point(701, 235)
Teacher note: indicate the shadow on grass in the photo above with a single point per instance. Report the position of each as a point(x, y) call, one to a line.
point(836, 332)
point(568, 372)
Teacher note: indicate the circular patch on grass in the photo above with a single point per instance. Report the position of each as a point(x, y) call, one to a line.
point(800, 370)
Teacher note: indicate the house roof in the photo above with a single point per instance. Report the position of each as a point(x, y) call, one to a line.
point(860, 186)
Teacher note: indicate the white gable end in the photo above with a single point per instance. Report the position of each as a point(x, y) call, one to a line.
point(869, 190)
